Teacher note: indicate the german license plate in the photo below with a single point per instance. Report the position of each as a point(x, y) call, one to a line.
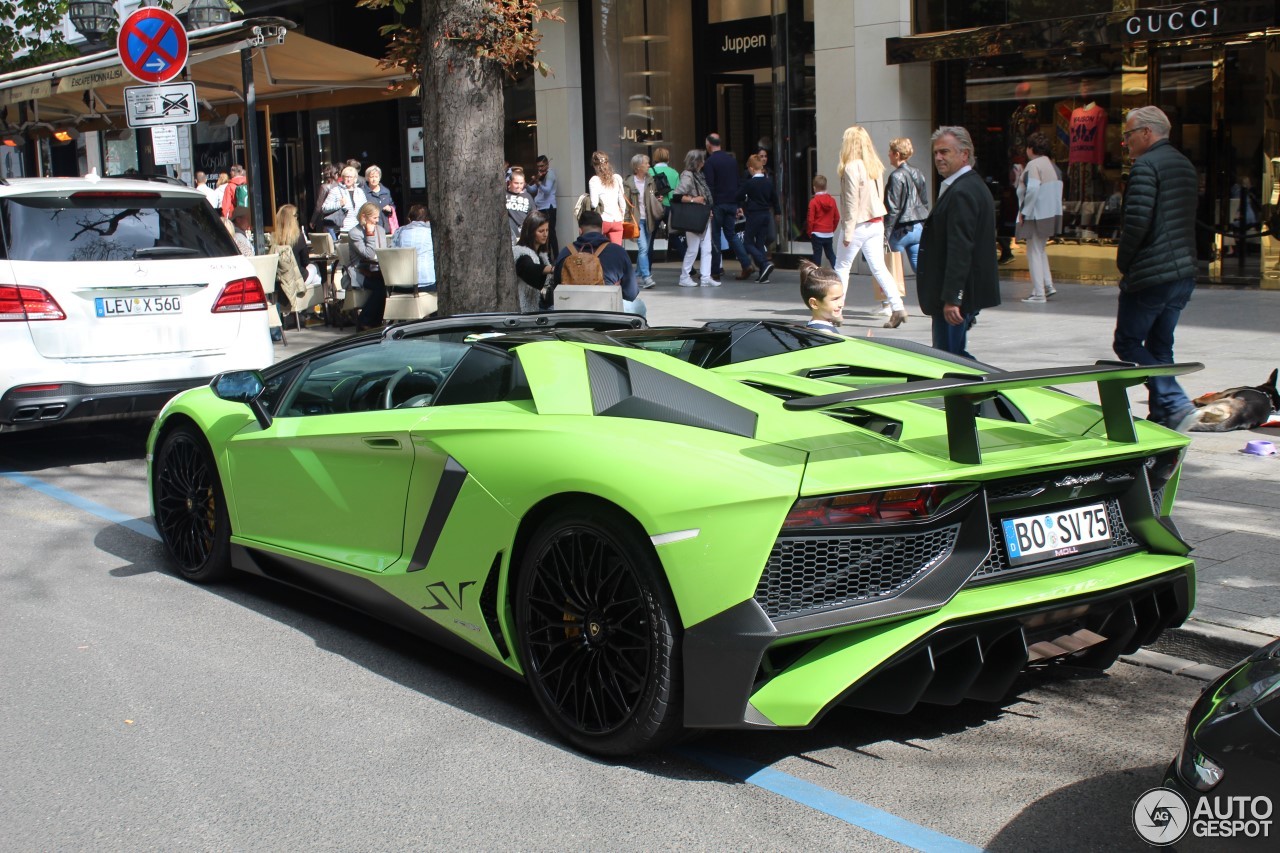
point(136, 306)
point(1060, 533)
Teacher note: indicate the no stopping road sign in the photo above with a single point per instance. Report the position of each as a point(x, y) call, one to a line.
point(152, 45)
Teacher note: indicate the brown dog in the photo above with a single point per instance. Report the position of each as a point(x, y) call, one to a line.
point(1237, 408)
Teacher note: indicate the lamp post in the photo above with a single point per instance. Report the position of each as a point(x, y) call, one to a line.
point(207, 13)
point(93, 19)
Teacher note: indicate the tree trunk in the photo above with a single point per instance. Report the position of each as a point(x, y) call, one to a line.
point(462, 106)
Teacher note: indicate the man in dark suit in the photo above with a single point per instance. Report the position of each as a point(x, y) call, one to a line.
point(957, 276)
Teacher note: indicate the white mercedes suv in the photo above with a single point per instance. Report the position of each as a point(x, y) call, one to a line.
point(116, 294)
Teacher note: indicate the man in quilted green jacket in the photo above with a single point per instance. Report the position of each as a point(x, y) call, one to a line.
point(1156, 258)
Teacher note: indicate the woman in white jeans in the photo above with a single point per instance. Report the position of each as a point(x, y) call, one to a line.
point(1039, 214)
point(693, 187)
point(862, 212)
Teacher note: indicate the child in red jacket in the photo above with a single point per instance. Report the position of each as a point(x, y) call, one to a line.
point(824, 217)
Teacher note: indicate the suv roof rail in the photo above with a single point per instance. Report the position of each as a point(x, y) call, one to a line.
point(140, 176)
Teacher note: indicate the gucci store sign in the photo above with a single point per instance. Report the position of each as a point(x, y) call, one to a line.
point(1206, 19)
point(1172, 23)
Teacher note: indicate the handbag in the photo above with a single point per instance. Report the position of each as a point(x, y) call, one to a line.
point(690, 216)
point(630, 227)
point(335, 218)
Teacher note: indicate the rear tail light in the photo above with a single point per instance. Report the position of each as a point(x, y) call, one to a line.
point(28, 303)
point(243, 294)
point(913, 503)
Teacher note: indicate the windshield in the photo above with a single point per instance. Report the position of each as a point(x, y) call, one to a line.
point(111, 227)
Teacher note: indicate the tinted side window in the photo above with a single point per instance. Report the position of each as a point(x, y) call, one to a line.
point(760, 341)
point(112, 226)
point(274, 387)
point(486, 375)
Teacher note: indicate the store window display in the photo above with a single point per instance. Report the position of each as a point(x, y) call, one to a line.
point(1087, 150)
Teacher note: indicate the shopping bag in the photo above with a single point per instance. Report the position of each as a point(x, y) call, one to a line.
point(893, 260)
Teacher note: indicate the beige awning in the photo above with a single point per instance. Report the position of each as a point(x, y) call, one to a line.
point(290, 72)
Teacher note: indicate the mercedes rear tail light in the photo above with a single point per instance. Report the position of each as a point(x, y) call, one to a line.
point(243, 294)
point(20, 303)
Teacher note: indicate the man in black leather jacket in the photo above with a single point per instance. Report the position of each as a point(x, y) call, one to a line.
point(1156, 259)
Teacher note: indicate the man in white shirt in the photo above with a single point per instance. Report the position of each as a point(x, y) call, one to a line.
point(202, 184)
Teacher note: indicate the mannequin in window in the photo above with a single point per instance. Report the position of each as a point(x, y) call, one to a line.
point(1244, 215)
point(1023, 121)
point(1085, 158)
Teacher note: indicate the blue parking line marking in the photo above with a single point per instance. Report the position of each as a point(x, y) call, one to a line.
point(142, 527)
point(816, 797)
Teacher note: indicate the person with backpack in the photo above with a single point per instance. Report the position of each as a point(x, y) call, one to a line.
point(236, 192)
point(594, 259)
point(665, 179)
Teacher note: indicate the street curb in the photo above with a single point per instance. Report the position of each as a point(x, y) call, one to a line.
point(1205, 642)
point(1173, 665)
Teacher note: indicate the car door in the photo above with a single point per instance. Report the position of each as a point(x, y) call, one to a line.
point(328, 479)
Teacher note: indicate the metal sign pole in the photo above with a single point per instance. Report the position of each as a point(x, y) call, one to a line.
point(251, 148)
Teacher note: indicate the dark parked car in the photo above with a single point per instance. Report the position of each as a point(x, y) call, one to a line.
point(1232, 746)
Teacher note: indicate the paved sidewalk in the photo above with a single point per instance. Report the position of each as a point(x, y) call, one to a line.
point(1229, 502)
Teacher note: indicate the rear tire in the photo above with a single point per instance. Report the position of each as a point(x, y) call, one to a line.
point(598, 633)
point(191, 513)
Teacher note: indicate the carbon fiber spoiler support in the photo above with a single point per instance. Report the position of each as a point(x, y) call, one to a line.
point(962, 393)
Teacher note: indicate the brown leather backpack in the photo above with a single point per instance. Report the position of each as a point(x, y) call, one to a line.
point(582, 266)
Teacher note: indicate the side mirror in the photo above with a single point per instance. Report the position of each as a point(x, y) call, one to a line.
point(238, 386)
point(243, 386)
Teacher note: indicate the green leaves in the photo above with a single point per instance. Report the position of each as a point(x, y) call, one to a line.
point(505, 33)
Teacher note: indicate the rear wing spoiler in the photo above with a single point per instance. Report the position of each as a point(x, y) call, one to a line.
point(961, 394)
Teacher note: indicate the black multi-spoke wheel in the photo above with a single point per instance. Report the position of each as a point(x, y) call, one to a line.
point(190, 512)
point(598, 632)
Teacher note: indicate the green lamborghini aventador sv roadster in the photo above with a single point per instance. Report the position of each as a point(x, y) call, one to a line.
point(740, 525)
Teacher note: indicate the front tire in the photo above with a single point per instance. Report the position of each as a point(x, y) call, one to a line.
point(599, 635)
point(191, 513)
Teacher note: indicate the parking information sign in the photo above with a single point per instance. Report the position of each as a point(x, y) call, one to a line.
point(152, 44)
point(172, 103)
point(164, 146)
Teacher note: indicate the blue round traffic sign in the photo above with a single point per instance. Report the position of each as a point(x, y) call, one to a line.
point(152, 44)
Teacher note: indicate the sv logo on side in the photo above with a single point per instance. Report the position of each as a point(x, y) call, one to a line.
point(454, 601)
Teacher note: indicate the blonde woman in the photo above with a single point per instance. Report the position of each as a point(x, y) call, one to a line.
point(347, 197)
point(862, 213)
point(646, 209)
point(367, 237)
point(219, 190)
point(291, 246)
point(607, 196)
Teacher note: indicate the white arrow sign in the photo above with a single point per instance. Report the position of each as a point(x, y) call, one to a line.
point(168, 103)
